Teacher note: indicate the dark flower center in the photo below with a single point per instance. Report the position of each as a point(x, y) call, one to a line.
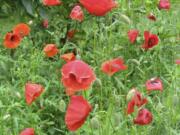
point(151, 42)
point(13, 38)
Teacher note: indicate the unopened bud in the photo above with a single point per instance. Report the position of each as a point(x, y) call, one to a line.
point(117, 119)
point(98, 83)
point(95, 123)
point(45, 23)
point(130, 94)
point(62, 106)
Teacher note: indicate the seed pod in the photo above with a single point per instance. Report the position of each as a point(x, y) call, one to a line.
point(117, 119)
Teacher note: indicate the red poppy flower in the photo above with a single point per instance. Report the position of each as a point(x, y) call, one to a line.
point(154, 84)
point(77, 112)
point(71, 33)
point(21, 29)
point(112, 66)
point(28, 131)
point(178, 61)
point(77, 14)
point(151, 40)
point(164, 4)
point(77, 76)
point(11, 40)
point(52, 2)
point(98, 7)
point(68, 57)
point(132, 35)
point(32, 91)
point(152, 17)
point(45, 23)
point(136, 99)
point(144, 117)
point(50, 50)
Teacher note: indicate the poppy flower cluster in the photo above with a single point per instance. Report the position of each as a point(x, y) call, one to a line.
point(13, 39)
point(144, 117)
point(76, 76)
point(135, 99)
point(151, 40)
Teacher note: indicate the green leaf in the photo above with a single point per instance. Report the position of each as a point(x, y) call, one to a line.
point(28, 6)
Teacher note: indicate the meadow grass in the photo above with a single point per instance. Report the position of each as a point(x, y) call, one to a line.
point(103, 38)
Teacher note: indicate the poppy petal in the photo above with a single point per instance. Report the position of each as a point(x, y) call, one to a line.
point(22, 29)
point(68, 57)
point(136, 99)
point(77, 112)
point(32, 91)
point(11, 41)
point(151, 40)
point(51, 2)
point(154, 84)
point(112, 66)
point(132, 35)
point(28, 131)
point(164, 4)
point(77, 14)
point(177, 61)
point(144, 117)
point(97, 7)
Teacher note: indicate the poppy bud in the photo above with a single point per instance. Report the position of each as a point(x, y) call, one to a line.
point(176, 100)
point(164, 4)
point(98, 7)
point(177, 61)
point(30, 22)
point(130, 94)
point(126, 18)
point(117, 100)
point(18, 94)
point(95, 124)
point(159, 106)
point(98, 83)
point(117, 119)
point(78, 57)
point(7, 116)
point(45, 23)
point(28, 131)
point(62, 106)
